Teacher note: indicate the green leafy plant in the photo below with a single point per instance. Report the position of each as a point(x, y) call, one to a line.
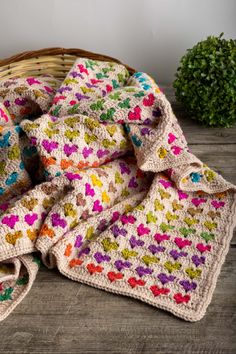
point(206, 81)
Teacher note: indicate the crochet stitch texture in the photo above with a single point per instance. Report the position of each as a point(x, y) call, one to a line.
point(97, 176)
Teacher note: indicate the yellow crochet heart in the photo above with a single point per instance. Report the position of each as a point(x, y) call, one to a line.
point(162, 152)
point(210, 225)
point(193, 273)
point(71, 121)
point(111, 129)
point(70, 81)
point(89, 138)
point(108, 143)
point(151, 218)
point(126, 253)
point(150, 259)
point(30, 126)
point(139, 207)
point(2, 167)
point(30, 203)
point(92, 123)
point(163, 193)
point(171, 217)
point(210, 175)
point(51, 132)
point(176, 206)
point(13, 237)
point(39, 94)
point(69, 210)
point(158, 205)
point(89, 233)
point(124, 144)
point(125, 192)
point(118, 178)
point(32, 234)
point(14, 152)
point(86, 89)
point(71, 134)
point(73, 224)
point(96, 181)
point(191, 221)
point(172, 266)
point(105, 197)
point(48, 202)
point(128, 208)
point(108, 245)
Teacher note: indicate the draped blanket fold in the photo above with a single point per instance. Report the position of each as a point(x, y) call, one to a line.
point(96, 179)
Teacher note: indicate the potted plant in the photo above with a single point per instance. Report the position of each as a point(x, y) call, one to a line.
point(206, 81)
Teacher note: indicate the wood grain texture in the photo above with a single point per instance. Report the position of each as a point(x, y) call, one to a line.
point(62, 316)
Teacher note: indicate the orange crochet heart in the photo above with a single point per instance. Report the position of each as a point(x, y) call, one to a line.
point(94, 269)
point(48, 161)
point(133, 282)
point(112, 276)
point(159, 291)
point(66, 163)
point(68, 250)
point(46, 231)
point(74, 262)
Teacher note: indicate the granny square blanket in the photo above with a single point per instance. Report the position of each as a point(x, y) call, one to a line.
point(96, 179)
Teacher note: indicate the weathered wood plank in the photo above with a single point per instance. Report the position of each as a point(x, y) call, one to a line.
point(221, 158)
point(195, 132)
point(61, 316)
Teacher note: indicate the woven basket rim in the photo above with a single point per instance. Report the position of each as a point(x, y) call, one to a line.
point(53, 51)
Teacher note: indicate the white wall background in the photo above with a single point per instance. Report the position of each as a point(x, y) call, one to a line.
point(150, 35)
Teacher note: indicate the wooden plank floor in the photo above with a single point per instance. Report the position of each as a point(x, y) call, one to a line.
point(61, 316)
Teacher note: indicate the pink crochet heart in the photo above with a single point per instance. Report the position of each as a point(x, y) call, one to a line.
point(161, 237)
point(198, 201)
point(166, 184)
point(171, 138)
point(142, 230)
point(89, 190)
point(58, 221)
point(10, 220)
point(49, 146)
point(136, 114)
point(70, 149)
point(176, 149)
point(182, 195)
point(181, 243)
point(31, 218)
point(97, 206)
point(217, 204)
point(203, 248)
point(127, 219)
point(149, 100)
point(86, 152)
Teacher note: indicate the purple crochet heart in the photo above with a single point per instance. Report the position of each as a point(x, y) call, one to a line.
point(198, 260)
point(101, 258)
point(155, 249)
point(143, 271)
point(164, 279)
point(121, 264)
point(187, 285)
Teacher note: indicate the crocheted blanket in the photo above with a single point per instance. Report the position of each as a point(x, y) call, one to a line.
point(96, 179)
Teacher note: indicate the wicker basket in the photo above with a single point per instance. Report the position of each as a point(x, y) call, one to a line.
point(53, 61)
